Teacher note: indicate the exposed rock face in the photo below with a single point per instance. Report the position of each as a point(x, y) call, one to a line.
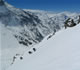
point(69, 23)
point(79, 19)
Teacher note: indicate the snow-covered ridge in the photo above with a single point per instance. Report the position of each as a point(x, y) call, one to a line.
point(61, 52)
point(22, 29)
point(56, 17)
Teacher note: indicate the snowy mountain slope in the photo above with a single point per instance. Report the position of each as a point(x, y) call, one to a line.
point(21, 30)
point(61, 52)
point(9, 47)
